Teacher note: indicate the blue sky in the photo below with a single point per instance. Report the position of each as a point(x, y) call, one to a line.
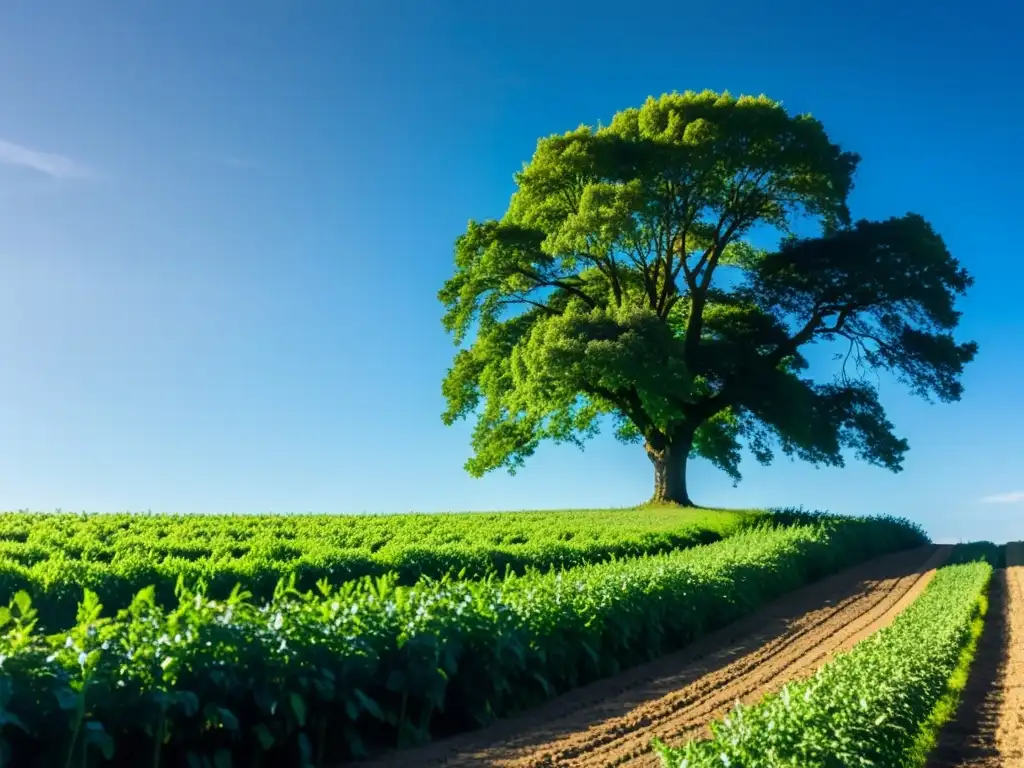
point(223, 227)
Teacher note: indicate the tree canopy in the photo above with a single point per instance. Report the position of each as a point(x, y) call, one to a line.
point(623, 282)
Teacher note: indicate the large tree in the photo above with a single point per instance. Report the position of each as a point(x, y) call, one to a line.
point(622, 282)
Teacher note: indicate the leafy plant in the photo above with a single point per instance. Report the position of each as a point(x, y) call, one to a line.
point(866, 707)
point(52, 556)
point(310, 677)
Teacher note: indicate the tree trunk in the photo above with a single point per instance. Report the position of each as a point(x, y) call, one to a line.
point(669, 460)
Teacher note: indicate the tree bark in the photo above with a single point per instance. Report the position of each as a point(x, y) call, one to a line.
point(669, 458)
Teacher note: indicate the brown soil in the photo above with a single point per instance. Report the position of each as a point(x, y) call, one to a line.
point(988, 728)
point(612, 722)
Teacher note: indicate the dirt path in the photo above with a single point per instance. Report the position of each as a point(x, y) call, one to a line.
point(988, 729)
point(612, 722)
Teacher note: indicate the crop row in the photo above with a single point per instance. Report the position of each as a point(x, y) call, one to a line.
point(83, 536)
point(51, 557)
point(311, 678)
point(870, 706)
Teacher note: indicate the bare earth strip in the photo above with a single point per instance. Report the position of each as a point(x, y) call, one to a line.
point(612, 722)
point(988, 729)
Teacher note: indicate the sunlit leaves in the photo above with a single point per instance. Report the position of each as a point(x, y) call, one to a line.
point(745, 154)
point(620, 282)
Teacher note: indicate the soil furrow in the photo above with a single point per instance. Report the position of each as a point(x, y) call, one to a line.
point(1010, 735)
point(676, 725)
point(612, 722)
point(988, 728)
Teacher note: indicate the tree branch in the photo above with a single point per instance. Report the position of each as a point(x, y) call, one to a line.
point(812, 327)
point(546, 283)
point(699, 291)
point(628, 402)
point(523, 300)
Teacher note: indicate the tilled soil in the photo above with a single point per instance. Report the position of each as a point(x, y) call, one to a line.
point(612, 722)
point(988, 728)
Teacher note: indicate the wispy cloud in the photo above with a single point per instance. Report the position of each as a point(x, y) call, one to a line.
point(48, 163)
point(1013, 497)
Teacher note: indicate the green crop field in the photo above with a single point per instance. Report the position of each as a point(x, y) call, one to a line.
point(313, 677)
point(52, 557)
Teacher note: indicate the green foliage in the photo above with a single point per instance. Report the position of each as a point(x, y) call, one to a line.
point(622, 282)
point(993, 554)
point(866, 707)
point(310, 678)
point(946, 707)
point(52, 557)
